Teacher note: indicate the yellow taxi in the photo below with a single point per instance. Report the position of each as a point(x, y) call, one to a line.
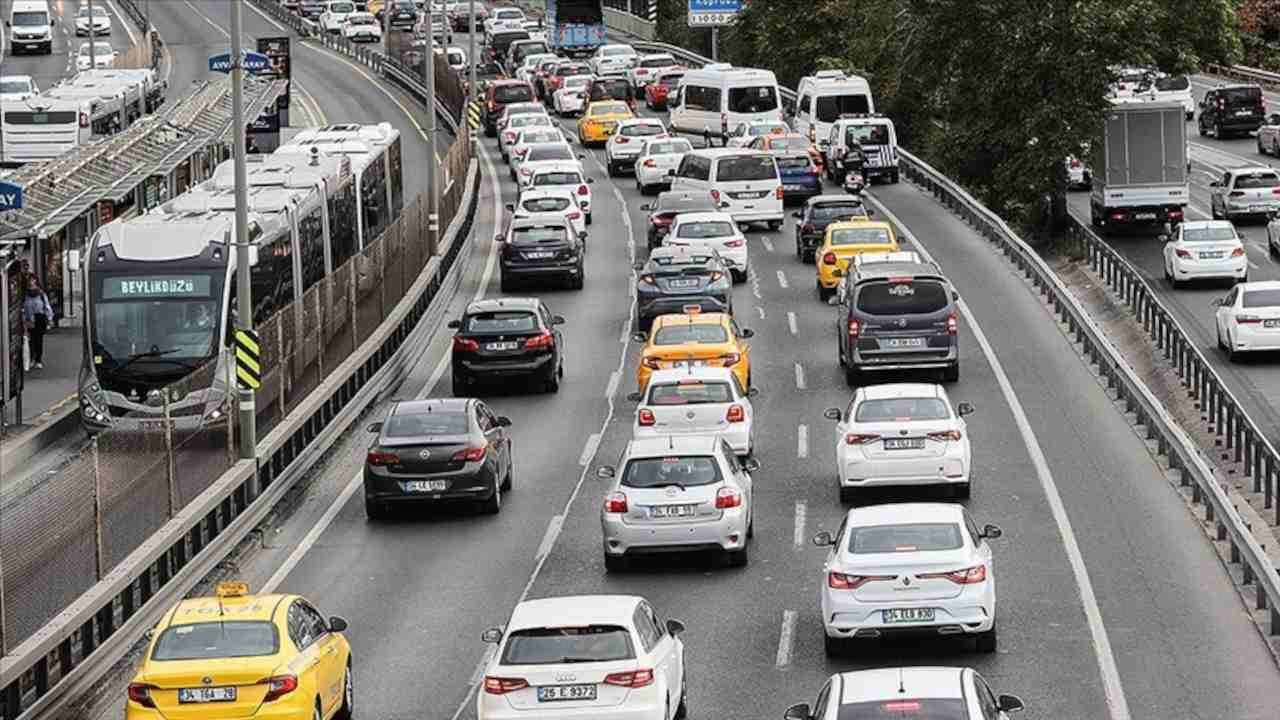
point(238, 655)
point(695, 339)
point(600, 120)
point(844, 241)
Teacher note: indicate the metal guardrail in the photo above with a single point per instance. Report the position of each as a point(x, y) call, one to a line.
point(1265, 78)
point(143, 23)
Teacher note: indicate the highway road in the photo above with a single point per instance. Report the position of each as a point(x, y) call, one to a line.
point(1255, 380)
point(1112, 604)
point(48, 70)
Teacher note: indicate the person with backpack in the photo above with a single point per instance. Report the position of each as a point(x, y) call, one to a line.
point(37, 316)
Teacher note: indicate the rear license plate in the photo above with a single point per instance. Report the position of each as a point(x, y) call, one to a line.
point(206, 694)
point(424, 486)
point(511, 345)
point(904, 443)
point(670, 511)
point(1258, 208)
point(1144, 216)
point(1244, 113)
point(553, 693)
point(687, 363)
point(1271, 323)
point(539, 255)
point(1211, 255)
point(903, 342)
point(685, 283)
point(749, 195)
point(905, 615)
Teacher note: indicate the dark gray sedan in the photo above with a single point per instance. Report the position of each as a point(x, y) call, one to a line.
point(679, 277)
point(438, 451)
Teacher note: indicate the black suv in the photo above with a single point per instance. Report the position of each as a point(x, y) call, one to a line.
point(663, 211)
point(680, 277)
point(1230, 109)
point(507, 338)
point(535, 248)
point(897, 316)
point(818, 213)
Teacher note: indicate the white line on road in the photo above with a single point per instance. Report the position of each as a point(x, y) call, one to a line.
point(589, 450)
point(133, 39)
point(760, 309)
point(791, 323)
point(786, 638)
point(612, 388)
point(754, 277)
point(768, 244)
point(802, 441)
point(801, 516)
point(782, 280)
point(549, 538)
point(799, 376)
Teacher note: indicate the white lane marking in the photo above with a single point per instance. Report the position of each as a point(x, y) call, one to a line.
point(802, 441)
point(1112, 687)
point(309, 540)
point(782, 280)
point(799, 376)
point(553, 529)
point(760, 309)
point(767, 243)
point(589, 450)
point(612, 388)
point(133, 39)
point(791, 323)
point(786, 638)
point(801, 517)
point(754, 277)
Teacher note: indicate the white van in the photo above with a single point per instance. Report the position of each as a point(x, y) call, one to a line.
point(744, 182)
point(30, 27)
point(710, 101)
point(823, 97)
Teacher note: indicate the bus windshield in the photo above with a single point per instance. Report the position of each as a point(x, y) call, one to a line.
point(172, 316)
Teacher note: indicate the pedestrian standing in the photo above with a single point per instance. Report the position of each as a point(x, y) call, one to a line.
point(37, 315)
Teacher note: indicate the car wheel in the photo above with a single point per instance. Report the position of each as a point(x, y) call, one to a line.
point(852, 376)
point(961, 491)
point(835, 647)
point(576, 282)
point(348, 696)
point(738, 558)
point(951, 373)
point(613, 169)
point(588, 218)
point(1261, 150)
point(1217, 131)
point(823, 293)
point(506, 283)
point(552, 383)
point(799, 251)
point(615, 563)
point(738, 276)
point(1221, 345)
point(374, 510)
point(986, 642)
point(682, 710)
point(775, 224)
point(511, 471)
point(493, 505)
point(1275, 146)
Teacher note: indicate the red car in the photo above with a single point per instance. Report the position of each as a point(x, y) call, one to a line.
point(655, 93)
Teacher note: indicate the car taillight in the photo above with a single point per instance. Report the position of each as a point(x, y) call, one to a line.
point(648, 280)
point(1175, 214)
point(1276, 191)
point(510, 136)
point(471, 454)
point(1181, 253)
point(727, 497)
point(525, 171)
point(378, 458)
point(582, 190)
point(807, 228)
point(953, 324)
point(736, 242)
point(715, 275)
point(279, 686)
point(84, 119)
point(945, 435)
point(860, 438)
point(778, 193)
point(1238, 252)
point(461, 344)
point(715, 196)
point(542, 341)
point(854, 328)
point(736, 413)
point(1248, 319)
point(841, 581)
point(731, 359)
point(502, 686)
point(660, 220)
point(829, 258)
point(615, 502)
point(141, 694)
point(645, 417)
point(651, 363)
point(621, 140)
point(967, 576)
point(575, 215)
point(649, 163)
point(642, 71)
point(1075, 163)
point(630, 678)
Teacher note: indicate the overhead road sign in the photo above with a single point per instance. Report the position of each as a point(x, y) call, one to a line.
point(10, 196)
point(713, 13)
point(251, 61)
point(248, 359)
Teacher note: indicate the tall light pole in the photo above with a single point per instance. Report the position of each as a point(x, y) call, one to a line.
point(93, 52)
point(244, 297)
point(471, 86)
point(433, 164)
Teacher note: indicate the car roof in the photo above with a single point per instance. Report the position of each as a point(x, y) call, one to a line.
point(553, 219)
point(503, 303)
point(1206, 224)
point(704, 216)
point(917, 682)
point(549, 166)
point(1259, 285)
point(854, 224)
point(668, 375)
point(901, 390)
point(212, 609)
point(641, 121)
point(651, 447)
point(918, 512)
point(877, 271)
point(1236, 86)
point(419, 407)
point(690, 319)
point(574, 610)
point(506, 81)
point(833, 200)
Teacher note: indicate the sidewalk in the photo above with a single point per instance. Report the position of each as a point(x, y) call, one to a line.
point(46, 392)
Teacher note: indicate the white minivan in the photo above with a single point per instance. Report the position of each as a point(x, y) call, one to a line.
point(823, 97)
point(716, 98)
point(744, 182)
point(30, 27)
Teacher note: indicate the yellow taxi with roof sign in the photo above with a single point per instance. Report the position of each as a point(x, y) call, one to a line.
point(601, 119)
point(843, 242)
point(239, 655)
point(695, 339)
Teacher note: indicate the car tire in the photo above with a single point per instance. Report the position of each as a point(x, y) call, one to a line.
point(738, 558)
point(507, 284)
point(493, 505)
point(616, 563)
point(1232, 355)
point(511, 471)
point(588, 218)
point(799, 251)
point(552, 383)
point(1217, 131)
point(986, 642)
point(961, 491)
point(577, 281)
point(852, 376)
point(374, 510)
point(775, 224)
point(347, 711)
point(1261, 150)
point(823, 293)
point(490, 132)
point(613, 169)
point(738, 276)
point(951, 373)
point(1221, 345)
point(893, 177)
point(835, 647)
point(682, 710)
point(848, 495)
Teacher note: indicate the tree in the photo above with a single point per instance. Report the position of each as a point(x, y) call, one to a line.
point(1259, 25)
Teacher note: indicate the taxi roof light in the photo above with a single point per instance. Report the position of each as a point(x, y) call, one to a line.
point(232, 588)
point(692, 309)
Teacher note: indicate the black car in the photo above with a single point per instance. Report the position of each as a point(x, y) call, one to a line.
point(663, 211)
point(399, 14)
point(507, 338)
point(541, 248)
point(897, 316)
point(498, 94)
point(819, 212)
point(501, 41)
point(611, 88)
point(1231, 109)
point(678, 278)
point(312, 9)
point(437, 451)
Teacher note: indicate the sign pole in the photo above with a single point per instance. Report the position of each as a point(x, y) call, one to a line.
point(244, 297)
point(471, 56)
point(715, 43)
point(433, 184)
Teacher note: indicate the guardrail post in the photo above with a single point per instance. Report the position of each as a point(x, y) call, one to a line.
point(97, 509)
point(351, 304)
point(170, 465)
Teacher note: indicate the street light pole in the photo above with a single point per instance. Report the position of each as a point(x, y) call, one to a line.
point(244, 298)
point(433, 163)
point(93, 53)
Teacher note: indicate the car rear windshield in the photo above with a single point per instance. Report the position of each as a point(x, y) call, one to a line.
point(533, 137)
point(794, 163)
point(924, 709)
point(685, 203)
point(577, 81)
point(556, 645)
point(861, 236)
point(656, 62)
point(746, 167)
point(545, 204)
point(1208, 234)
point(688, 262)
point(831, 107)
point(501, 322)
point(512, 93)
point(1261, 298)
point(910, 537)
point(901, 410)
point(537, 235)
point(609, 108)
point(644, 130)
point(1257, 180)
point(439, 422)
point(662, 472)
point(789, 143)
point(690, 392)
point(707, 229)
point(21, 117)
point(617, 51)
point(832, 211)
point(671, 79)
point(557, 178)
point(1174, 83)
point(668, 147)
point(757, 99)
point(1242, 96)
point(566, 70)
point(910, 297)
point(690, 333)
point(558, 151)
point(529, 119)
point(866, 135)
point(230, 639)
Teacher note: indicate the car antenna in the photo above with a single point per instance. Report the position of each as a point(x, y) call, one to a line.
point(671, 442)
point(901, 687)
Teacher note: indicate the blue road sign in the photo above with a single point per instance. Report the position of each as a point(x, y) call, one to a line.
point(251, 61)
point(10, 196)
point(715, 6)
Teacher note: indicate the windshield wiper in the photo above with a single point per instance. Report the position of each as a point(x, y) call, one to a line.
point(148, 354)
point(673, 482)
point(577, 660)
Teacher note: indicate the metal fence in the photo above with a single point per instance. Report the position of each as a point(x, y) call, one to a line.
point(143, 56)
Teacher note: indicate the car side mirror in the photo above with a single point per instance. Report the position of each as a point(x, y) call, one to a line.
point(833, 301)
point(1009, 703)
point(634, 396)
point(582, 156)
point(747, 333)
point(492, 635)
point(591, 181)
point(639, 337)
point(724, 204)
point(499, 237)
point(838, 272)
point(454, 324)
point(797, 215)
point(646, 207)
point(557, 319)
point(674, 627)
point(964, 408)
point(870, 212)
point(823, 539)
point(671, 173)
point(750, 464)
point(582, 235)
point(606, 472)
point(511, 207)
point(1216, 302)
point(374, 427)
point(753, 392)
point(1163, 238)
point(991, 532)
point(337, 624)
point(1215, 183)
point(503, 421)
point(833, 414)
point(797, 712)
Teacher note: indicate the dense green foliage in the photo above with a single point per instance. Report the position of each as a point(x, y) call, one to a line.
point(1260, 33)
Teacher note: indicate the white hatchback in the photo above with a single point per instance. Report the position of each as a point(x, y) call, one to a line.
point(563, 175)
point(613, 58)
point(584, 656)
point(547, 154)
point(508, 136)
point(625, 144)
point(528, 137)
point(696, 401)
point(560, 201)
point(648, 67)
point(715, 230)
point(1203, 250)
point(901, 434)
point(1248, 318)
point(659, 157)
point(571, 98)
point(908, 568)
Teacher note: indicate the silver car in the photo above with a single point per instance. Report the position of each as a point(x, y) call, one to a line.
point(1245, 191)
point(676, 493)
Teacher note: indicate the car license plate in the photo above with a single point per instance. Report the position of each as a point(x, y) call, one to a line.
point(905, 615)
point(1258, 208)
point(1271, 323)
point(1243, 113)
point(1144, 216)
point(539, 255)
point(510, 345)
point(1211, 255)
point(687, 363)
point(670, 511)
point(903, 443)
point(424, 486)
point(684, 283)
point(903, 342)
point(749, 195)
point(553, 693)
point(206, 694)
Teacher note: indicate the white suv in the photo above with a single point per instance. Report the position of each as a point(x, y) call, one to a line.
point(624, 146)
point(696, 401)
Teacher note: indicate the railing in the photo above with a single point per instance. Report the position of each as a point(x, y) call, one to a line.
point(1267, 79)
point(143, 22)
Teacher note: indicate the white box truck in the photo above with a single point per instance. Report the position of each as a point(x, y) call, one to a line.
point(1140, 167)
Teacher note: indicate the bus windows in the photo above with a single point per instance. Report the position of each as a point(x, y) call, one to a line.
point(311, 241)
point(271, 279)
point(342, 224)
point(373, 198)
point(397, 178)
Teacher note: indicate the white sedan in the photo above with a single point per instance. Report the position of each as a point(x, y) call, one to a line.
point(335, 15)
point(624, 145)
point(744, 133)
point(560, 201)
point(908, 568)
point(571, 98)
point(101, 21)
point(529, 137)
point(15, 88)
point(658, 157)
point(101, 56)
point(613, 59)
point(649, 67)
point(901, 434)
point(1269, 135)
point(696, 401)
point(507, 137)
point(547, 154)
point(586, 656)
point(504, 18)
point(1205, 249)
point(362, 27)
point(715, 230)
point(1248, 318)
